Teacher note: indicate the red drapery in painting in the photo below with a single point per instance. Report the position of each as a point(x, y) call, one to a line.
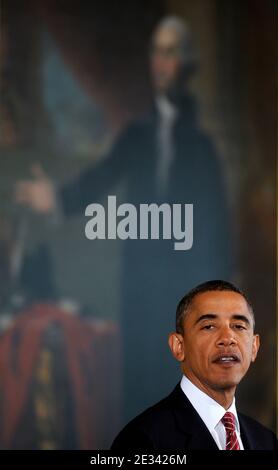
point(84, 342)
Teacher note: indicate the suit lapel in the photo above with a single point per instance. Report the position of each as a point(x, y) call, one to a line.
point(197, 435)
point(249, 442)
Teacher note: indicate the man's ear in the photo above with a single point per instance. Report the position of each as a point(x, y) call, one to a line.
point(176, 344)
point(255, 347)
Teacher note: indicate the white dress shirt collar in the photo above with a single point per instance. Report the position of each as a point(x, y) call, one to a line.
point(166, 108)
point(208, 409)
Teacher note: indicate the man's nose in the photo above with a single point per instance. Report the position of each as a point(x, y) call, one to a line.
point(226, 338)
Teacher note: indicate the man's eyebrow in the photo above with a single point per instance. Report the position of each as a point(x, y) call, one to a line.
point(243, 318)
point(206, 316)
point(213, 316)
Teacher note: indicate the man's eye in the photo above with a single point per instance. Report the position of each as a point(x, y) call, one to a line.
point(208, 327)
point(240, 327)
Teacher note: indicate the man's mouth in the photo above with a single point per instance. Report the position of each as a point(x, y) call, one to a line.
point(226, 359)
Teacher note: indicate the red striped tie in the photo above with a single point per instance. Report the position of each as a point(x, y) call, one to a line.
point(231, 438)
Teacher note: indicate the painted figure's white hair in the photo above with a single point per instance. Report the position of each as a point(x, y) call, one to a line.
point(182, 29)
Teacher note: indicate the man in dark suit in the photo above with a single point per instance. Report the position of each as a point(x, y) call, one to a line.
point(164, 157)
point(215, 343)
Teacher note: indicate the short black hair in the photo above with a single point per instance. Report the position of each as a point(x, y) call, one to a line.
point(215, 285)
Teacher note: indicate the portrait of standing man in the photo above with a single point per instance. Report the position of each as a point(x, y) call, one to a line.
point(162, 157)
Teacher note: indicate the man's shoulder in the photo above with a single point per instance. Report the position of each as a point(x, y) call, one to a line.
point(138, 133)
point(143, 429)
point(138, 126)
point(152, 416)
point(257, 432)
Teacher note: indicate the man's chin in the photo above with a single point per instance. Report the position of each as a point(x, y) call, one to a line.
point(227, 377)
point(161, 88)
point(225, 383)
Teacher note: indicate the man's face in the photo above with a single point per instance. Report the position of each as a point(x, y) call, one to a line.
point(218, 341)
point(165, 59)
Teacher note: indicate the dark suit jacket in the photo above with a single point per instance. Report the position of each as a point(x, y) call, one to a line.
point(174, 425)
